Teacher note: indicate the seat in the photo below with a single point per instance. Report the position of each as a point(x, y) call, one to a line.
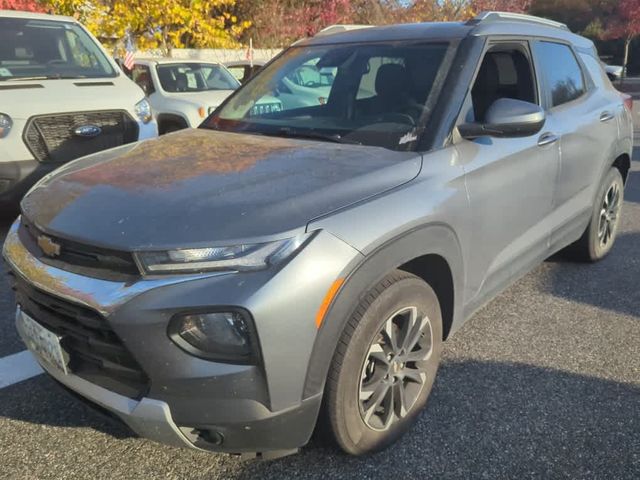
point(486, 89)
point(393, 93)
point(182, 83)
point(392, 85)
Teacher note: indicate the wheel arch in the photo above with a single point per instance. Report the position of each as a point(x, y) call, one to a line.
point(431, 252)
point(167, 118)
point(623, 163)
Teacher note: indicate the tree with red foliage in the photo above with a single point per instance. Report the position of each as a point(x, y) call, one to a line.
point(25, 5)
point(625, 25)
point(514, 6)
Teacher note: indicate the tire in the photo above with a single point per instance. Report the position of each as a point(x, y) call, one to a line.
point(596, 242)
point(358, 368)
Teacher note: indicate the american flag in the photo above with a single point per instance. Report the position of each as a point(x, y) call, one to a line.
point(128, 58)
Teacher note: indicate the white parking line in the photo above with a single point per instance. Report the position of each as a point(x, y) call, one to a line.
point(18, 367)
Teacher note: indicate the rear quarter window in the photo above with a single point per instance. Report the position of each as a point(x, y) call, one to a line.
point(596, 70)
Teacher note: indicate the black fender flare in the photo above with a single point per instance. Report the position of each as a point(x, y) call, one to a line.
point(433, 239)
point(172, 118)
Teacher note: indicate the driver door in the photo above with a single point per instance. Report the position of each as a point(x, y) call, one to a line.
point(510, 181)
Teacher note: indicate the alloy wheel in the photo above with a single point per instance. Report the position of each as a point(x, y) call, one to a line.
point(395, 368)
point(609, 213)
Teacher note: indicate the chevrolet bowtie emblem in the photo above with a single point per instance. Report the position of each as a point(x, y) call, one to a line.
point(48, 246)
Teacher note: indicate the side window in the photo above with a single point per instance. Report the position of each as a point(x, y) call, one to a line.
point(142, 76)
point(561, 71)
point(505, 72)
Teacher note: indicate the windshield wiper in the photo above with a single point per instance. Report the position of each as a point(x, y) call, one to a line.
point(324, 137)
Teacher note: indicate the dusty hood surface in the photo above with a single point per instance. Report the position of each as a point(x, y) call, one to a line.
point(199, 187)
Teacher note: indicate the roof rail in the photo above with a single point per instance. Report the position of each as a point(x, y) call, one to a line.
point(518, 17)
point(331, 29)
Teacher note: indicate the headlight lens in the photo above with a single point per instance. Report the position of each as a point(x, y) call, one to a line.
point(5, 124)
point(225, 336)
point(143, 111)
point(226, 258)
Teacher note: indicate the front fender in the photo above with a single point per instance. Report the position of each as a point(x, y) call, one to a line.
point(362, 274)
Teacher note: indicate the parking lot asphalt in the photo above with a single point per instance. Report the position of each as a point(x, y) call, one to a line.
point(544, 382)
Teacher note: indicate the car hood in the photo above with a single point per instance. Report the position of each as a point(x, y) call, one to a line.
point(23, 99)
point(198, 187)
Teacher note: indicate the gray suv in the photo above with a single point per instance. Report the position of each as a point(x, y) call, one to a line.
point(229, 288)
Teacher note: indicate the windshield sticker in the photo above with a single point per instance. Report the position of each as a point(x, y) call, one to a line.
point(5, 72)
point(408, 137)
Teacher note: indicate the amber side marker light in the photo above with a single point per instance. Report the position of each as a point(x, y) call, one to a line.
point(328, 298)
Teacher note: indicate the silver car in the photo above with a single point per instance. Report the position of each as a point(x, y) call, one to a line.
point(229, 288)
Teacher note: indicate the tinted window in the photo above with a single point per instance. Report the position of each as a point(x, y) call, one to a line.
point(561, 71)
point(504, 73)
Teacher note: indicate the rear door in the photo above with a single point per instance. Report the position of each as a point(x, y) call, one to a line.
point(584, 118)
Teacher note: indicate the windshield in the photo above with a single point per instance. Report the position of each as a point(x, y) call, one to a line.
point(369, 94)
point(49, 50)
point(195, 77)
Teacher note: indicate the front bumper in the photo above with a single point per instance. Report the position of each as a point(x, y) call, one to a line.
point(195, 402)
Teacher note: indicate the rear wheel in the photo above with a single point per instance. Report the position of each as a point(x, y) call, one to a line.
point(385, 364)
point(599, 237)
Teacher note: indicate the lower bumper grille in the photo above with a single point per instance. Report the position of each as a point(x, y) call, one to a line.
point(95, 351)
point(52, 138)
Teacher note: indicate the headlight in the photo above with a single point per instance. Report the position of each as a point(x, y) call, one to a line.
point(5, 125)
point(228, 258)
point(143, 111)
point(225, 335)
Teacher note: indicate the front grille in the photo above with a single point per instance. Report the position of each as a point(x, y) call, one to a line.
point(51, 138)
point(96, 353)
point(78, 257)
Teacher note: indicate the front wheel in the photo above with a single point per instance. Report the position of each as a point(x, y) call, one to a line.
point(385, 364)
point(599, 237)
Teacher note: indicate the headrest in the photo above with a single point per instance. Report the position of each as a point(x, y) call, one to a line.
point(392, 80)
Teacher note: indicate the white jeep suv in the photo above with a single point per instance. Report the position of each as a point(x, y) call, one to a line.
point(183, 93)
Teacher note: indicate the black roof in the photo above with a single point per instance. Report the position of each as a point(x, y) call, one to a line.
point(492, 25)
point(407, 31)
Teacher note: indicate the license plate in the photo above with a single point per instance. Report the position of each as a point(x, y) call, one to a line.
point(44, 343)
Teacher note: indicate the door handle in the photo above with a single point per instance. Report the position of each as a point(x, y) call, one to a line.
point(606, 116)
point(547, 139)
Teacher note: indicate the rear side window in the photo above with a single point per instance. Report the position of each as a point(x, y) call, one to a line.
point(562, 73)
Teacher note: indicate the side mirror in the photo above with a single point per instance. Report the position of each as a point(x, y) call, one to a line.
point(507, 117)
